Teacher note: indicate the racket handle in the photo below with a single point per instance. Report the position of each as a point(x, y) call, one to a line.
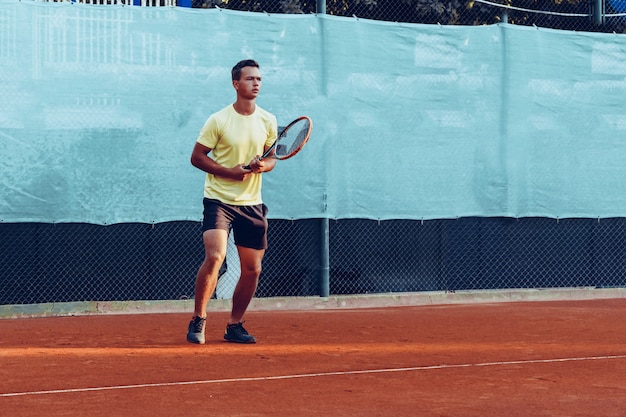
point(248, 166)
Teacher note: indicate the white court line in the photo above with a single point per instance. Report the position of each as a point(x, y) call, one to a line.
point(313, 375)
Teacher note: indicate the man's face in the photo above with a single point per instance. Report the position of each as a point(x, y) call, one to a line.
point(249, 84)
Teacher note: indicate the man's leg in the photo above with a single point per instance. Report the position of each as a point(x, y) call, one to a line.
point(215, 244)
point(251, 260)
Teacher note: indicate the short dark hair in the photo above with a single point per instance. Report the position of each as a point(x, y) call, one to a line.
point(236, 71)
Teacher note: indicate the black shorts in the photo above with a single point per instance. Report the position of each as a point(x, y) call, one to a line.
point(249, 223)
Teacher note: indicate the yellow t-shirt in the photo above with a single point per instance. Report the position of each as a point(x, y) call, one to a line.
point(236, 139)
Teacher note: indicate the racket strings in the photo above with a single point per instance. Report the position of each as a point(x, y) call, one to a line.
point(292, 139)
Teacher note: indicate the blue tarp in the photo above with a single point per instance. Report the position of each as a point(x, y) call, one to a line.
point(101, 106)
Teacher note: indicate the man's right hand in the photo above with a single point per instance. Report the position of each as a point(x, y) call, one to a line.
point(239, 173)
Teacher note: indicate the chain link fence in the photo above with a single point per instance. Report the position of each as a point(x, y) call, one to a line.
point(579, 15)
point(43, 263)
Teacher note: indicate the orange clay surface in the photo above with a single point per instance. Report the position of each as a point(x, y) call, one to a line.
point(561, 358)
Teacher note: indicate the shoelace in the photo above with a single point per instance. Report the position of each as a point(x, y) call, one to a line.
point(198, 324)
point(238, 328)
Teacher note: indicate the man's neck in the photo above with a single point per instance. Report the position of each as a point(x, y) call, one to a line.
point(245, 107)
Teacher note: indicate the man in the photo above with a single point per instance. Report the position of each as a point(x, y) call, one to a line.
point(235, 137)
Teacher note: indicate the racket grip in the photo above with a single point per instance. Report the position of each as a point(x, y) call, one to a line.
point(248, 166)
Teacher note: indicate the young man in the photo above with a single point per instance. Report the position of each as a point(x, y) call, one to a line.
point(235, 137)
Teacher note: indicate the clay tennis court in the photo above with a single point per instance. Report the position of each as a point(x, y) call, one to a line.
point(552, 358)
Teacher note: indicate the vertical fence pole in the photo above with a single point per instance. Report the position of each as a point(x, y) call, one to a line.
point(598, 11)
point(321, 6)
point(324, 279)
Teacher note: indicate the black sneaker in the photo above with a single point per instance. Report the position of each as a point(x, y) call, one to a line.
point(237, 334)
point(195, 331)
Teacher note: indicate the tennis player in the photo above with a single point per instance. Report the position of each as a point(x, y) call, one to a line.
point(231, 139)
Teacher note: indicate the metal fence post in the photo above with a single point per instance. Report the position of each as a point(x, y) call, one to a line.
point(321, 6)
point(598, 11)
point(324, 279)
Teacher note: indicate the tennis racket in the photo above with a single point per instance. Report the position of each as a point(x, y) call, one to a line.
point(291, 140)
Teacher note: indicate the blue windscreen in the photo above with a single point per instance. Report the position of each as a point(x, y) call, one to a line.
point(101, 106)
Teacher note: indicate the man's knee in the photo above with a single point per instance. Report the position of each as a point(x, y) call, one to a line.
point(253, 271)
point(214, 259)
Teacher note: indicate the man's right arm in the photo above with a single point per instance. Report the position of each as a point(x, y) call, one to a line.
point(201, 160)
